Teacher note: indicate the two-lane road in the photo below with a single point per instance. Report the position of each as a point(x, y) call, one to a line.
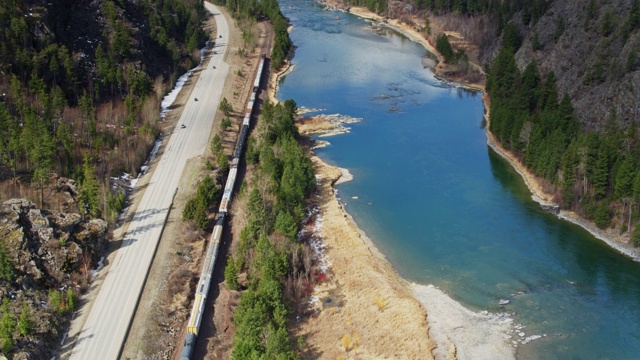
point(105, 329)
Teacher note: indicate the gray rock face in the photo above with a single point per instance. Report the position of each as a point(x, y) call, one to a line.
point(47, 246)
point(599, 72)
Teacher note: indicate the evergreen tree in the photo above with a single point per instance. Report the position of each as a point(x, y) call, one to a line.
point(88, 192)
point(25, 322)
point(231, 274)
point(444, 47)
point(600, 174)
point(624, 179)
point(6, 264)
point(286, 224)
point(216, 144)
point(7, 327)
point(225, 106)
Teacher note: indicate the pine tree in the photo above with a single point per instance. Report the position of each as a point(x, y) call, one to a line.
point(216, 144)
point(231, 274)
point(6, 264)
point(286, 224)
point(7, 327)
point(600, 174)
point(25, 322)
point(88, 192)
point(225, 106)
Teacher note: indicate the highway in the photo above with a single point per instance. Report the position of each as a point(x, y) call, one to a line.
point(105, 329)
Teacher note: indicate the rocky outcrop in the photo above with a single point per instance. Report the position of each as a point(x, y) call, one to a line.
point(51, 253)
point(47, 246)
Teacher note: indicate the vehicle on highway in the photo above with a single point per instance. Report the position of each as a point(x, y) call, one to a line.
point(183, 126)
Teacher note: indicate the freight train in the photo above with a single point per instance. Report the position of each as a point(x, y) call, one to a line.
point(193, 326)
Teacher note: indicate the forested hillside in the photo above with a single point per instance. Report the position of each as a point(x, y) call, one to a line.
point(582, 56)
point(84, 79)
point(564, 82)
point(80, 89)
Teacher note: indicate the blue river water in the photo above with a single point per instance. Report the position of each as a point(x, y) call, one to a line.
point(443, 207)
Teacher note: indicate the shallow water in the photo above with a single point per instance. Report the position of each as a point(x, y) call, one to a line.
point(442, 206)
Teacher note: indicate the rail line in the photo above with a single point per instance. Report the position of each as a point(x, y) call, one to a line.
point(204, 283)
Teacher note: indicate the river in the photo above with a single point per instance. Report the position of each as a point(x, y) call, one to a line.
point(442, 206)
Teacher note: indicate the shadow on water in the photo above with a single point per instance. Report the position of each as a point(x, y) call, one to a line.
point(579, 282)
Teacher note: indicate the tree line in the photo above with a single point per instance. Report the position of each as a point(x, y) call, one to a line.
point(269, 252)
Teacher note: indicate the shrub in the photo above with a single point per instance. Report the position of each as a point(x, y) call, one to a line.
point(380, 302)
point(345, 341)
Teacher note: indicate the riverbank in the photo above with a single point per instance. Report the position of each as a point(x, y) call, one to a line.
point(610, 236)
point(363, 309)
point(423, 318)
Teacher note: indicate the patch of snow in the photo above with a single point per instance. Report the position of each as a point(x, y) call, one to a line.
point(171, 97)
point(100, 266)
point(168, 100)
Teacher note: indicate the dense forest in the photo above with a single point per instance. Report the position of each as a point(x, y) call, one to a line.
point(499, 9)
point(255, 10)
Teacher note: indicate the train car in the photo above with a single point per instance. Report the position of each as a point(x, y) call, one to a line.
point(256, 82)
point(203, 289)
point(188, 346)
point(242, 139)
point(228, 190)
